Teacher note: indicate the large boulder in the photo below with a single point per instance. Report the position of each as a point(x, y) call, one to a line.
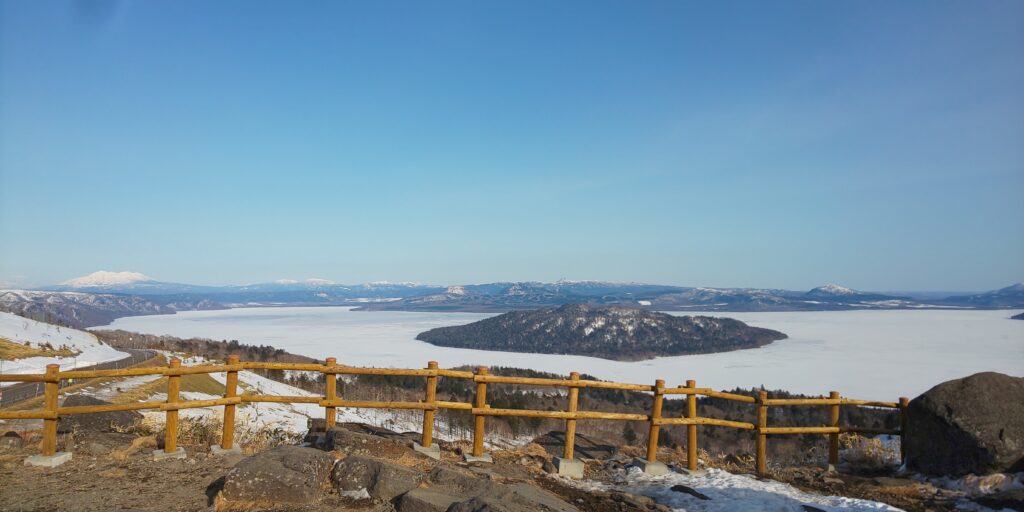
point(95, 422)
point(453, 489)
point(290, 475)
point(382, 479)
point(969, 425)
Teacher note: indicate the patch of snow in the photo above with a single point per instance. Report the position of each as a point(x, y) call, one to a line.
point(644, 302)
point(729, 492)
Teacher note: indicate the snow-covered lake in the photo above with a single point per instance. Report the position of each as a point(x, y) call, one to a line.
point(878, 355)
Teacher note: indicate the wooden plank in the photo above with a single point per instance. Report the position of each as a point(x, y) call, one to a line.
point(430, 397)
point(479, 402)
point(92, 409)
point(51, 390)
point(803, 401)
point(570, 424)
point(330, 394)
point(198, 404)
point(369, 404)
point(37, 414)
point(652, 431)
point(227, 438)
point(691, 429)
point(22, 377)
point(800, 430)
point(761, 459)
point(870, 403)
point(454, 405)
point(171, 424)
point(281, 399)
point(833, 438)
point(714, 422)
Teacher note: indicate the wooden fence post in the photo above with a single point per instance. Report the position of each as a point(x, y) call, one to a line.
point(833, 439)
point(652, 436)
point(691, 430)
point(171, 424)
point(570, 424)
point(227, 439)
point(762, 438)
point(330, 393)
point(428, 414)
point(51, 388)
point(904, 402)
point(479, 403)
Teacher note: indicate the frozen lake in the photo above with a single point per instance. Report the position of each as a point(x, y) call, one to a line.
point(878, 355)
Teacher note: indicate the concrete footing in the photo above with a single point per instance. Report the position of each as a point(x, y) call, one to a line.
point(48, 461)
point(176, 454)
point(468, 457)
point(433, 451)
point(649, 467)
point(571, 468)
point(215, 449)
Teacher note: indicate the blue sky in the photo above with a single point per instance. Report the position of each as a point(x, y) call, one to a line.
point(773, 144)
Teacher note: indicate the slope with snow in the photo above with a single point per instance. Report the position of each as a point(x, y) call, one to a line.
point(20, 330)
point(729, 492)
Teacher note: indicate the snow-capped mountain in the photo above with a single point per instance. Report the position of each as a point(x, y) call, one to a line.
point(104, 278)
point(832, 290)
point(125, 282)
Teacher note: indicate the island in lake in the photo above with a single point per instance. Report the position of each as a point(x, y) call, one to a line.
point(608, 332)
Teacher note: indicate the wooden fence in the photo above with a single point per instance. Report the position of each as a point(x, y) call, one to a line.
point(429, 405)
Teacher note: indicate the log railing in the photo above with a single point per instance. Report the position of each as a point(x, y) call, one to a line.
point(330, 401)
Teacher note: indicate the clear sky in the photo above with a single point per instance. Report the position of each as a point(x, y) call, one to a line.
point(879, 145)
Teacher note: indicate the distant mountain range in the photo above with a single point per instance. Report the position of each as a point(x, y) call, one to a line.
point(102, 296)
point(609, 332)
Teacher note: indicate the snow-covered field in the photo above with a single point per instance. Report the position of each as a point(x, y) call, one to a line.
point(19, 330)
point(729, 492)
point(863, 354)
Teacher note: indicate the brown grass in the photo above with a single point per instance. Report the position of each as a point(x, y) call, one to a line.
point(198, 383)
point(10, 350)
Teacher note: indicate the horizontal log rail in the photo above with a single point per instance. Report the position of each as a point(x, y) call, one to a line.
point(479, 408)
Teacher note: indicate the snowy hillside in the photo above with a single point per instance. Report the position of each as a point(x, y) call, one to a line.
point(727, 492)
point(20, 330)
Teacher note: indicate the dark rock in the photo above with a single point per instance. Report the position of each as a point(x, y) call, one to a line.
point(11, 441)
point(1013, 500)
point(476, 505)
point(886, 481)
point(808, 508)
point(343, 439)
point(286, 474)
point(383, 480)
point(548, 467)
point(425, 500)
point(478, 492)
point(970, 425)
point(554, 443)
point(691, 491)
point(98, 422)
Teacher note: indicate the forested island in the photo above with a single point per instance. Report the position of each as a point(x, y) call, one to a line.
point(608, 332)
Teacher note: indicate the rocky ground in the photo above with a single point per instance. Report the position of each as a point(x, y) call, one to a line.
point(376, 471)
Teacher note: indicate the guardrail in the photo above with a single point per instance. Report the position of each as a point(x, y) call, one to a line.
point(10, 395)
point(330, 401)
